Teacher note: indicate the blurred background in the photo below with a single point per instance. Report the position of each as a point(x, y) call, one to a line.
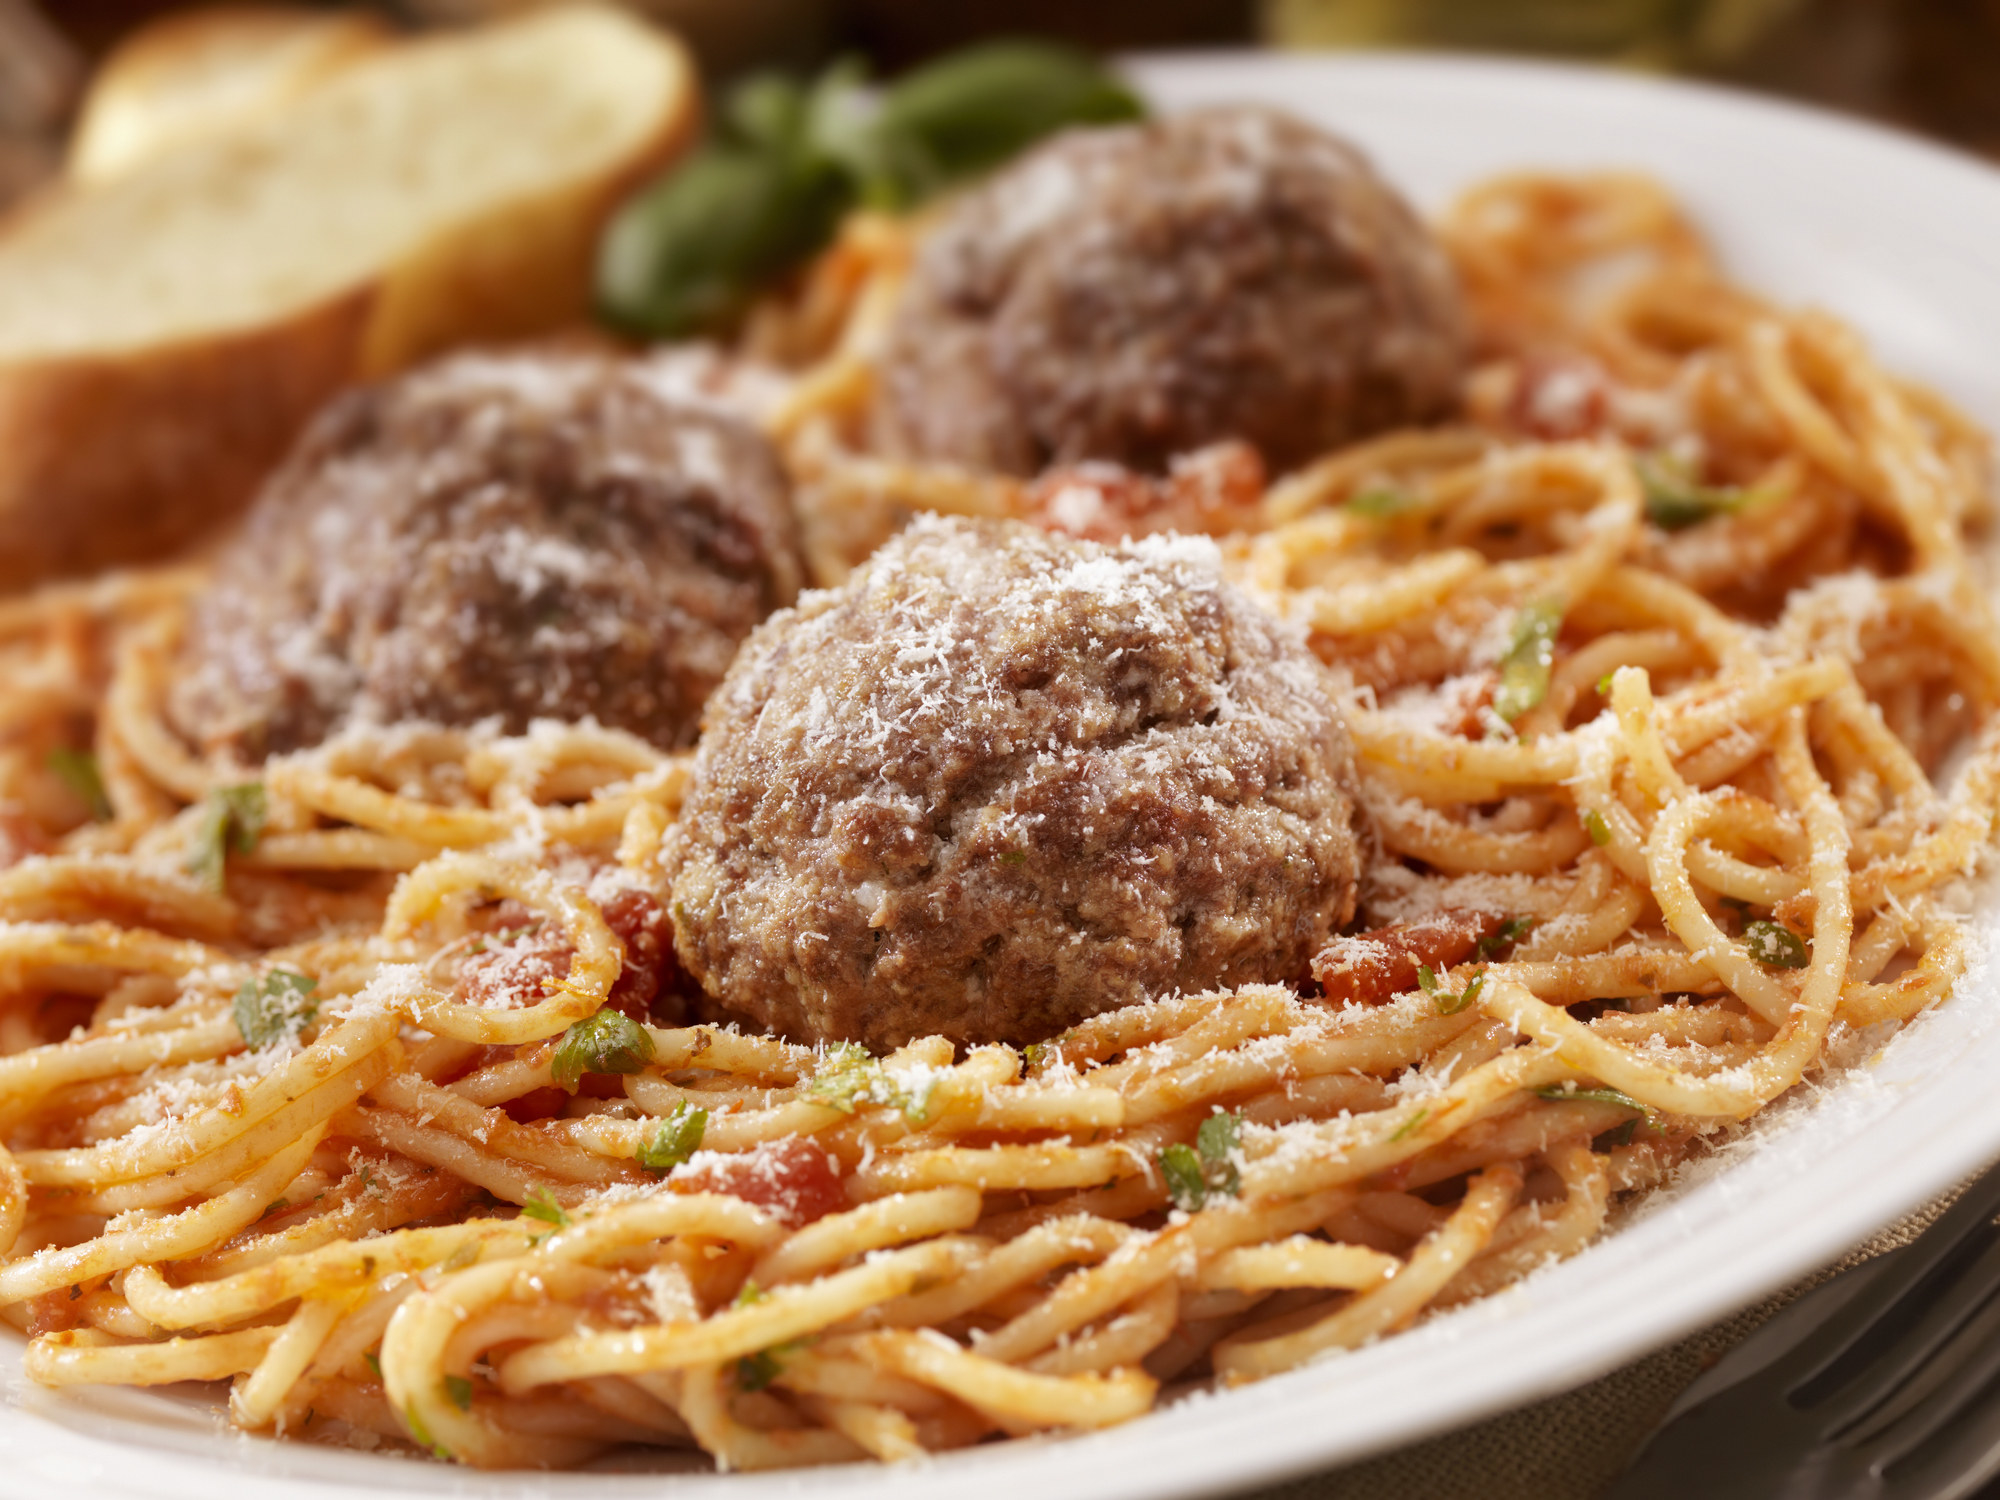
point(1928, 65)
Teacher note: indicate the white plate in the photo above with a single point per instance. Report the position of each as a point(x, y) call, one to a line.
point(1890, 233)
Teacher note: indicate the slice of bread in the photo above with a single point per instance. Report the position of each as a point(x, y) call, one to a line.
point(164, 335)
point(205, 72)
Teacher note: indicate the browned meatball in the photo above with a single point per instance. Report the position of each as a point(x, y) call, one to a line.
point(1139, 292)
point(510, 537)
point(1001, 781)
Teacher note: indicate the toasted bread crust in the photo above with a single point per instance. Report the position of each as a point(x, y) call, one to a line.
point(124, 457)
point(131, 453)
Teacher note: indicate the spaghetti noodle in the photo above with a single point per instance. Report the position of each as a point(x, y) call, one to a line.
point(1659, 667)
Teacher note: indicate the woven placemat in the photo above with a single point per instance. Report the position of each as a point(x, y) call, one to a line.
point(1568, 1447)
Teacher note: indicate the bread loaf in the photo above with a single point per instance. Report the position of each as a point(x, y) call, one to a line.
point(164, 334)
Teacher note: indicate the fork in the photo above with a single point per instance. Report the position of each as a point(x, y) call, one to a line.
point(1881, 1384)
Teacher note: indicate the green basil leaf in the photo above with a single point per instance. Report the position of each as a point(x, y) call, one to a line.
point(1215, 1143)
point(608, 1041)
point(77, 770)
point(755, 1371)
point(1451, 1005)
point(1380, 501)
point(541, 1206)
point(1187, 1185)
point(689, 253)
point(1509, 933)
point(1562, 1093)
point(677, 1138)
point(1524, 670)
point(274, 1008)
point(974, 109)
point(1775, 946)
point(232, 820)
point(1675, 500)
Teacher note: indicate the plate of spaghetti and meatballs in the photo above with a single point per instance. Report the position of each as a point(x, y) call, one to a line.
point(1246, 779)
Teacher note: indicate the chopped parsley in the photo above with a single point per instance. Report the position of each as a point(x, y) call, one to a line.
point(275, 1008)
point(1040, 1054)
point(413, 1420)
point(1215, 1143)
point(1509, 933)
point(1531, 652)
point(849, 1077)
point(1182, 1170)
point(1208, 1167)
point(77, 770)
point(1597, 828)
point(1380, 500)
point(608, 1041)
point(755, 1371)
point(1621, 1135)
point(677, 1138)
point(1775, 946)
point(460, 1390)
point(1409, 1126)
point(1566, 1093)
point(1676, 500)
point(374, 1363)
point(232, 820)
point(1447, 1003)
point(541, 1206)
point(1563, 1092)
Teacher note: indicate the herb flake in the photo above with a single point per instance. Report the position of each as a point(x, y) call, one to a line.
point(1506, 935)
point(1409, 1126)
point(1775, 945)
point(677, 1138)
point(460, 1390)
point(1380, 501)
point(541, 1206)
point(608, 1041)
point(413, 1419)
point(275, 1008)
point(1531, 653)
point(850, 1077)
point(1676, 500)
point(1186, 1185)
point(232, 820)
point(1597, 828)
point(1449, 1004)
point(77, 770)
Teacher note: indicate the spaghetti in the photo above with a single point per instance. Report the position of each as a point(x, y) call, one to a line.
point(1677, 707)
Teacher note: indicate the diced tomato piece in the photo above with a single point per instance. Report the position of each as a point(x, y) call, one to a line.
point(528, 970)
point(791, 1177)
point(1374, 967)
point(648, 987)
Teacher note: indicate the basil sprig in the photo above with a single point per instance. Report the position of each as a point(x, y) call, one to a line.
point(787, 159)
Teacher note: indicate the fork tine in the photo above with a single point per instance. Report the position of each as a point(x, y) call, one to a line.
point(1815, 1370)
point(1953, 1381)
point(1951, 1465)
point(1962, 1292)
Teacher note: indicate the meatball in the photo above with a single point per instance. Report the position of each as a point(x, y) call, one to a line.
point(1139, 292)
point(1003, 780)
point(493, 537)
